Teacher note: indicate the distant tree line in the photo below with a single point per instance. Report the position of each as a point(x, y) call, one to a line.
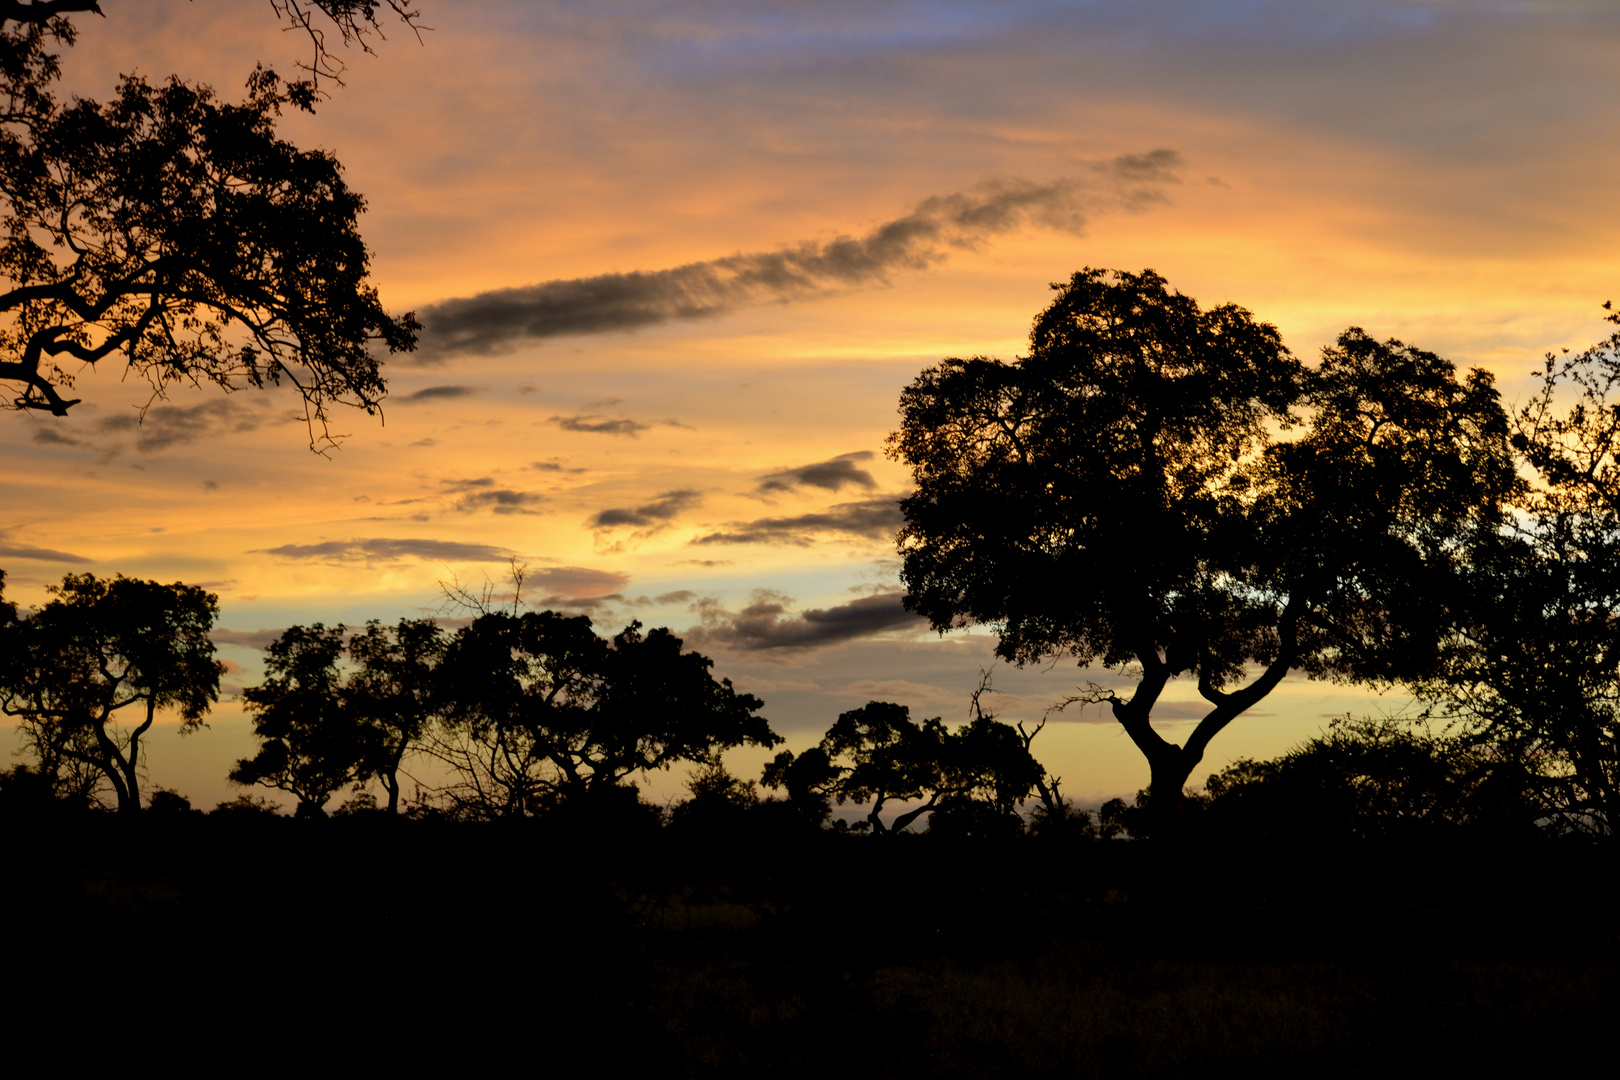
point(533, 713)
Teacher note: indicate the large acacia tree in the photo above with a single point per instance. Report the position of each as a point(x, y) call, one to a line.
point(1165, 491)
point(179, 232)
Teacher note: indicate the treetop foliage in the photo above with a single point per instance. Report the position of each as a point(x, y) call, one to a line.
point(1166, 487)
point(179, 231)
point(540, 708)
point(977, 776)
point(96, 648)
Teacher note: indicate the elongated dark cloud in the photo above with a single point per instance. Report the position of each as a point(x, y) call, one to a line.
point(467, 483)
point(766, 623)
point(437, 393)
point(600, 425)
point(36, 554)
point(493, 321)
point(480, 493)
point(877, 519)
point(500, 500)
point(653, 514)
point(380, 549)
point(830, 475)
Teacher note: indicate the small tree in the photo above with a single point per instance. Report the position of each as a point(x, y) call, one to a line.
point(889, 756)
point(994, 774)
point(877, 754)
point(98, 650)
point(808, 779)
point(312, 742)
point(541, 710)
point(395, 691)
point(1122, 497)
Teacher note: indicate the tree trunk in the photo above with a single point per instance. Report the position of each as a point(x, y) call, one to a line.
point(1167, 809)
point(873, 818)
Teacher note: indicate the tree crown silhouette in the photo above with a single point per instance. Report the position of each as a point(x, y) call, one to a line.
point(1166, 489)
point(178, 231)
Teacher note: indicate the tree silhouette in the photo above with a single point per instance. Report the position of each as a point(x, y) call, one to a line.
point(395, 692)
point(1536, 663)
point(540, 710)
point(179, 231)
point(808, 779)
point(975, 778)
point(312, 741)
point(97, 648)
point(890, 756)
point(993, 773)
point(1123, 496)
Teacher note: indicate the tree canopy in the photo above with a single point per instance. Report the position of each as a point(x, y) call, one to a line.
point(179, 231)
point(1535, 661)
point(974, 778)
point(1166, 489)
point(99, 647)
point(541, 710)
point(395, 693)
point(311, 739)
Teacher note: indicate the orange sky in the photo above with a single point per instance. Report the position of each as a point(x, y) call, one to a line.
point(1434, 171)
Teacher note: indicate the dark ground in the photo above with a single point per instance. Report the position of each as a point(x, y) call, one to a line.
point(272, 946)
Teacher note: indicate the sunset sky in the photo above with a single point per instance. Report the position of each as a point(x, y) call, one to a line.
point(677, 260)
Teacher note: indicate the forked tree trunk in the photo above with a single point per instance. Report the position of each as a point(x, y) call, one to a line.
point(1166, 803)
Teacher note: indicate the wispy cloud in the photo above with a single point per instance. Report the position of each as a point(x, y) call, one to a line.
point(876, 519)
point(436, 393)
point(766, 623)
point(166, 426)
point(597, 424)
point(501, 501)
point(830, 475)
point(600, 425)
point(651, 515)
point(10, 550)
point(378, 549)
point(494, 321)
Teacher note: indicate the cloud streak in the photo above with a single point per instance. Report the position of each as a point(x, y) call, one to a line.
point(653, 515)
point(495, 321)
point(766, 624)
point(437, 393)
point(384, 549)
point(36, 554)
point(828, 475)
point(875, 519)
point(592, 424)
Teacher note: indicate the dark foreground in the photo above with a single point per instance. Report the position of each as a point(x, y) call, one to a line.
point(280, 947)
